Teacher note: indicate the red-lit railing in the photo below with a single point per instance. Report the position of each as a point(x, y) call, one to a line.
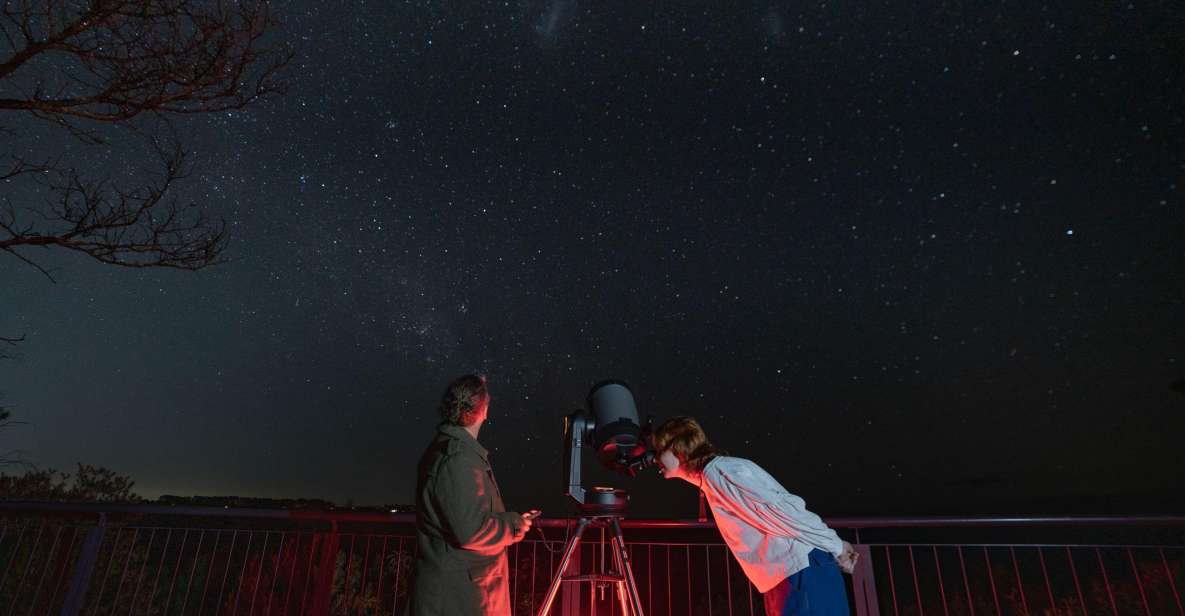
point(99, 559)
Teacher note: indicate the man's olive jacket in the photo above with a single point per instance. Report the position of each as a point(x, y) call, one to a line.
point(462, 530)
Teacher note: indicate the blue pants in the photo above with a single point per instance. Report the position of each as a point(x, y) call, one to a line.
point(817, 590)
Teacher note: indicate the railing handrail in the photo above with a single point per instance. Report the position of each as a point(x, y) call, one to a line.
point(409, 518)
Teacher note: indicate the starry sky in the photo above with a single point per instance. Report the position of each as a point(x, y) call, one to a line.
point(909, 259)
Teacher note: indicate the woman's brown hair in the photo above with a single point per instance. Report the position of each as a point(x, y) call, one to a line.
point(684, 437)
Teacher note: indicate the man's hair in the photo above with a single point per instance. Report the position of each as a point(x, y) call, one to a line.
point(463, 400)
point(684, 437)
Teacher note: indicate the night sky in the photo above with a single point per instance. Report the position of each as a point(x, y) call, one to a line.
point(910, 260)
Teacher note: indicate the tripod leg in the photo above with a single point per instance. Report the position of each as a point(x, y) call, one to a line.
point(627, 571)
point(569, 550)
point(620, 584)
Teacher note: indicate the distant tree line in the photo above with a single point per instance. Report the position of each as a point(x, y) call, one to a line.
point(89, 483)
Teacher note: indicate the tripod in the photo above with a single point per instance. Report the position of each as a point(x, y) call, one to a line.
point(622, 577)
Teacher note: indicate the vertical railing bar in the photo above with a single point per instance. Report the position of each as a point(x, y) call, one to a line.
point(708, 571)
point(992, 580)
point(892, 581)
point(193, 569)
point(271, 593)
point(1024, 602)
point(1172, 584)
point(365, 566)
point(197, 552)
point(670, 599)
point(1139, 582)
point(534, 568)
point(3, 534)
point(177, 567)
point(592, 592)
point(267, 535)
point(398, 565)
point(234, 610)
point(604, 567)
point(633, 561)
point(917, 590)
point(1045, 574)
point(163, 553)
point(210, 569)
point(57, 537)
point(1077, 585)
point(349, 569)
point(382, 568)
point(15, 548)
point(551, 564)
point(415, 552)
point(513, 573)
point(292, 572)
point(28, 563)
point(143, 566)
point(57, 586)
point(650, 579)
point(601, 569)
point(966, 584)
point(126, 564)
point(41, 580)
point(230, 556)
point(1106, 581)
point(687, 551)
point(727, 579)
point(941, 584)
point(304, 593)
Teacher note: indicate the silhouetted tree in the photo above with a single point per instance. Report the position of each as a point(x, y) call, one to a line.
point(90, 483)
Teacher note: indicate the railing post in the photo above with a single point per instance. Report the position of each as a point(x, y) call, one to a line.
point(81, 579)
point(864, 583)
point(326, 571)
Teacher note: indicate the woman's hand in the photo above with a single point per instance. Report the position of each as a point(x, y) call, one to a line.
point(847, 560)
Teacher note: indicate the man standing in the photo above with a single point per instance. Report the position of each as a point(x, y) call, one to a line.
point(462, 527)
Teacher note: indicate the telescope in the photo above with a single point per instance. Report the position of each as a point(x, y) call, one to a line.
point(610, 427)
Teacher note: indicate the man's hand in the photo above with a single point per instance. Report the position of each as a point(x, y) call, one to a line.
point(522, 524)
point(847, 560)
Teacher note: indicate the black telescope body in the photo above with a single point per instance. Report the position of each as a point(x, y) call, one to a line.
point(618, 436)
point(611, 427)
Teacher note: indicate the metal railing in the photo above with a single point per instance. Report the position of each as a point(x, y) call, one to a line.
point(107, 560)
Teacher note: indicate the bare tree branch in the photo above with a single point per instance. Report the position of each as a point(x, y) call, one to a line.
point(20, 166)
point(116, 59)
point(140, 227)
point(81, 64)
point(11, 342)
point(17, 457)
